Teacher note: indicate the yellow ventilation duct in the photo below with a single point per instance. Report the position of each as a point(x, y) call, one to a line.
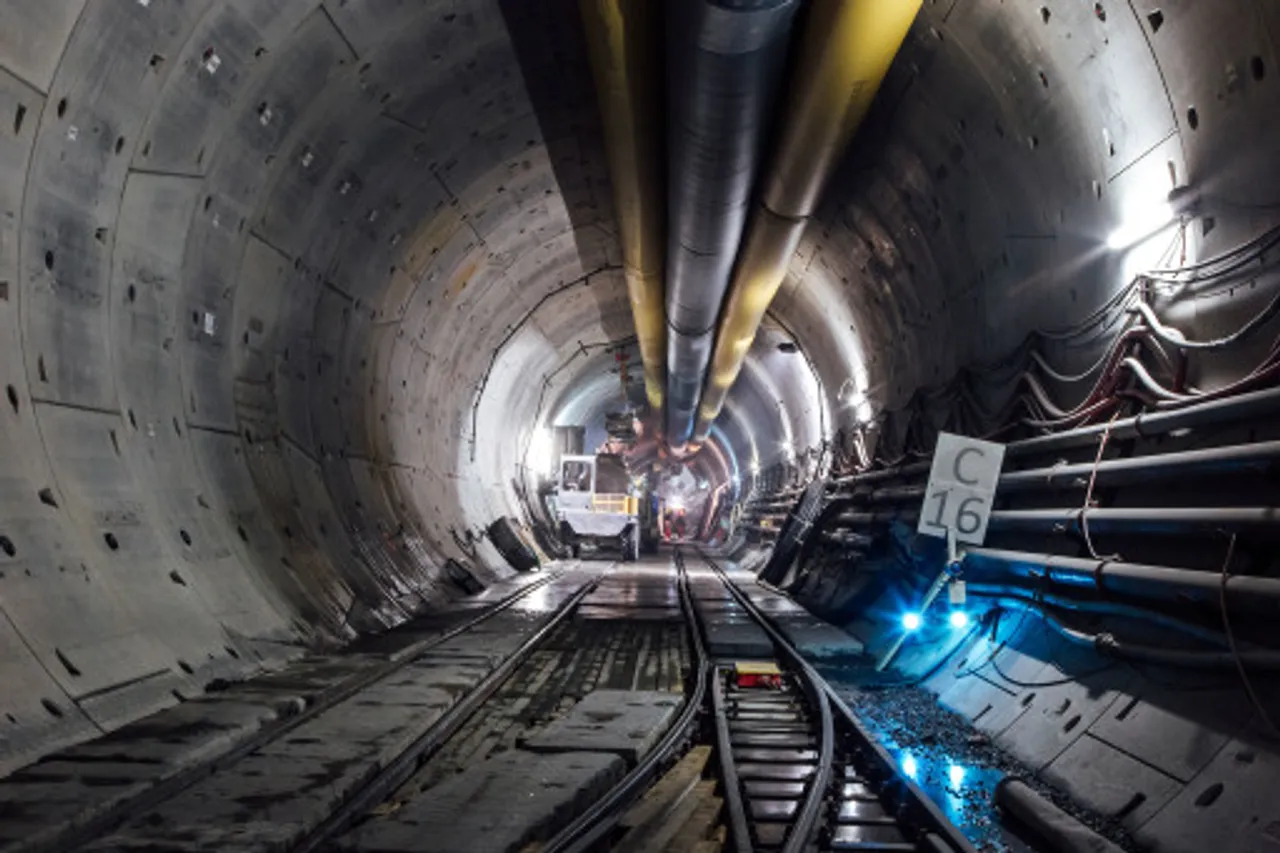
point(847, 48)
point(622, 39)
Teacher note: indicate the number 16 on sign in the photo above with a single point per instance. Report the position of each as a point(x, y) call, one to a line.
point(962, 488)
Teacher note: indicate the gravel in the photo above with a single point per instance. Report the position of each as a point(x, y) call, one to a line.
point(957, 765)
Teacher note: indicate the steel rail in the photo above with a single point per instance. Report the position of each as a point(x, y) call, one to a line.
point(589, 828)
point(806, 821)
point(729, 771)
point(401, 768)
point(80, 833)
point(923, 812)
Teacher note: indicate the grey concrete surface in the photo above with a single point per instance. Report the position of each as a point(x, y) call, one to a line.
point(1111, 782)
point(497, 806)
point(82, 783)
point(624, 722)
point(287, 787)
point(737, 638)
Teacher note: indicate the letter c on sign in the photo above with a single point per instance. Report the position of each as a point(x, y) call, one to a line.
point(959, 459)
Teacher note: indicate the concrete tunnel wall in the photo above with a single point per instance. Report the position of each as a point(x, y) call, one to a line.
point(261, 259)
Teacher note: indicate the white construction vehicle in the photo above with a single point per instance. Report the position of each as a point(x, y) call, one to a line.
point(597, 505)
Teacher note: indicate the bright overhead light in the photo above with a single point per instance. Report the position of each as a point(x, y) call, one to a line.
point(911, 621)
point(1146, 224)
point(541, 455)
point(959, 619)
point(676, 503)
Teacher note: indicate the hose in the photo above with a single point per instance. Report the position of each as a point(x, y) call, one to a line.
point(1108, 646)
point(1175, 338)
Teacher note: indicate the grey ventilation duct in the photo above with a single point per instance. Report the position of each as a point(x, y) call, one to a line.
point(724, 63)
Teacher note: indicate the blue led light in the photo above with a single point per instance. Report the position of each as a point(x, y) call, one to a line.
point(911, 621)
point(959, 619)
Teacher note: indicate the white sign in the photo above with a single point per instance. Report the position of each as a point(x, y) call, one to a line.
point(962, 487)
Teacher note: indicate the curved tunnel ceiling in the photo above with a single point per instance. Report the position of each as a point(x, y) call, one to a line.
point(281, 283)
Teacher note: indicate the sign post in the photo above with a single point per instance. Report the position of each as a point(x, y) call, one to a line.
point(962, 488)
point(957, 506)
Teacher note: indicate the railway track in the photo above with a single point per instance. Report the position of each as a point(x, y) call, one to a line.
point(801, 772)
point(797, 771)
point(371, 766)
point(299, 776)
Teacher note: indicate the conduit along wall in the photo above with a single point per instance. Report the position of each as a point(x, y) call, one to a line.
point(1120, 614)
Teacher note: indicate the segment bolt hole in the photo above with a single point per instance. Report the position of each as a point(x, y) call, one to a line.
point(1209, 795)
point(71, 668)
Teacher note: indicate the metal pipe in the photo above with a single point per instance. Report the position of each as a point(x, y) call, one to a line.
point(725, 62)
point(1139, 519)
point(847, 48)
point(622, 40)
point(1098, 607)
point(1233, 459)
point(1061, 832)
point(1183, 585)
point(1108, 646)
point(1243, 407)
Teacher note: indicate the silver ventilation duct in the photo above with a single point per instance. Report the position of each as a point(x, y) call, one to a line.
point(725, 61)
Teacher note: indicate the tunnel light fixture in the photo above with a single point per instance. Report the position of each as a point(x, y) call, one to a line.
point(909, 766)
point(1144, 225)
point(676, 503)
point(959, 619)
point(541, 455)
point(911, 621)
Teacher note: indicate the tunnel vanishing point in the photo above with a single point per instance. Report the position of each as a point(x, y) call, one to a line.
point(302, 301)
